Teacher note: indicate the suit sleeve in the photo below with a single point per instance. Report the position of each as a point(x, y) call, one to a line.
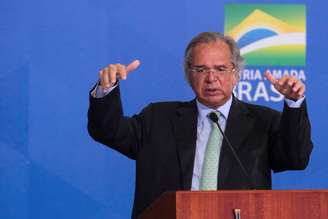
point(290, 141)
point(108, 125)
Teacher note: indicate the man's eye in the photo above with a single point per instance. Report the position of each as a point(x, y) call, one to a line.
point(220, 69)
point(201, 70)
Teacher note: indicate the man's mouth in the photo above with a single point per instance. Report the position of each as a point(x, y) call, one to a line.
point(213, 91)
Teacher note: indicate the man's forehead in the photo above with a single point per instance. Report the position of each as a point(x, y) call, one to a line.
point(217, 43)
point(214, 50)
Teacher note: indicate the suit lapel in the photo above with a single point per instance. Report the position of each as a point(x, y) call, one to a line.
point(239, 123)
point(238, 126)
point(185, 129)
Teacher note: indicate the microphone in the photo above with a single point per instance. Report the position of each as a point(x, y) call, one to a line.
point(214, 118)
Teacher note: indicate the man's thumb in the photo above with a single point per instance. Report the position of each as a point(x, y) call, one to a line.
point(133, 65)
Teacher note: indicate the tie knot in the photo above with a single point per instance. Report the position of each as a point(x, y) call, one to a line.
point(217, 113)
point(214, 116)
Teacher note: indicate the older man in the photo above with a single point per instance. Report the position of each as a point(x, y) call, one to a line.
point(175, 144)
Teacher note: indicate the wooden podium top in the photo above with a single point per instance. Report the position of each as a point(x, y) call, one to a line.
point(252, 204)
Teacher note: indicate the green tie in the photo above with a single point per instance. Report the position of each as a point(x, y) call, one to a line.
point(209, 179)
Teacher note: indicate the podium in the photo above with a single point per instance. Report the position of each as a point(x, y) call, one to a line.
point(245, 204)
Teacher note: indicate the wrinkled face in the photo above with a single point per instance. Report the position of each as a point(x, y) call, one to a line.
point(213, 87)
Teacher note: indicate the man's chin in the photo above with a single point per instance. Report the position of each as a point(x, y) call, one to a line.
point(213, 102)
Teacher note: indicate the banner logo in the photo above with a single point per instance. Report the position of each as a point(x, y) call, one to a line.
point(271, 37)
point(268, 34)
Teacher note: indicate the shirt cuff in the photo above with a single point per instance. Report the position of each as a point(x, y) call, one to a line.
point(99, 92)
point(294, 104)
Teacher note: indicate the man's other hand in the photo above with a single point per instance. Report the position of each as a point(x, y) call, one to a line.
point(110, 74)
point(289, 86)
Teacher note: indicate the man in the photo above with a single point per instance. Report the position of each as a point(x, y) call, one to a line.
point(172, 142)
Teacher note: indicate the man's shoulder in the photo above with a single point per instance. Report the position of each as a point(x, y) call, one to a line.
point(172, 105)
point(256, 108)
point(167, 110)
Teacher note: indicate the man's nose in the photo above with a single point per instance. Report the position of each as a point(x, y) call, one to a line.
point(211, 76)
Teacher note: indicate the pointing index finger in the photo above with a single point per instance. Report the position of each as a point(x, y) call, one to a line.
point(270, 77)
point(133, 66)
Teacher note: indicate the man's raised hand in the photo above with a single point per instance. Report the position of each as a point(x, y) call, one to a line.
point(289, 86)
point(110, 74)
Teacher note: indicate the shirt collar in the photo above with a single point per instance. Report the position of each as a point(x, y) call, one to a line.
point(203, 110)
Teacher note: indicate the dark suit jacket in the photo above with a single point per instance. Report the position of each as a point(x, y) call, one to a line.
point(162, 140)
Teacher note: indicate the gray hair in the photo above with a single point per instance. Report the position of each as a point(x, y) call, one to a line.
point(211, 37)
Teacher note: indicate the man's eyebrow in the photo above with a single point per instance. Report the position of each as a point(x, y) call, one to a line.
point(220, 66)
point(200, 66)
